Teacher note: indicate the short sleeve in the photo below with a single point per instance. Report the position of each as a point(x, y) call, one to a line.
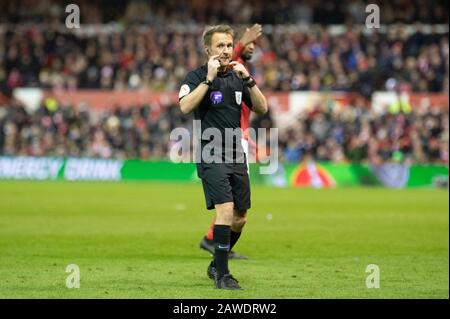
point(246, 97)
point(189, 84)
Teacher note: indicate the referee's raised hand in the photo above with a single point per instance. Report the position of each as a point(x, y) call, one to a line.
point(213, 66)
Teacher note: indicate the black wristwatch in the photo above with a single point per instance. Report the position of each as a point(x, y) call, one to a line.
point(207, 82)
point(251, 83)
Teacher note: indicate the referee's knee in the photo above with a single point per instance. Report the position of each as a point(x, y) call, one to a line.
point(224, 213)
point(239, 222)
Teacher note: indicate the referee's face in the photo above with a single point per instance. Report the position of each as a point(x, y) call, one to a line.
point(222, 45)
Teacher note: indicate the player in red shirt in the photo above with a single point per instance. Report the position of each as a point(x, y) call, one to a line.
point(242, 53)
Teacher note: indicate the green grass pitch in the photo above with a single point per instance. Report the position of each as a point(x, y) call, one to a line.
point(140, 240)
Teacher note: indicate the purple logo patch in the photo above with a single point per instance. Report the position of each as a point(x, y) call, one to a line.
point(215, 97)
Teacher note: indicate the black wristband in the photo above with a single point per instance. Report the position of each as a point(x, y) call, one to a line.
point(207, 82)
point(247, 78)
point(251, 83)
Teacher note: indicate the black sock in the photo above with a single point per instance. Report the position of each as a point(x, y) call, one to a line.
point(234, 237)
point(221, 238)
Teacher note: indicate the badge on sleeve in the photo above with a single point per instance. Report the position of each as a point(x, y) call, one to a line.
point(238, 97)
point(184, 90)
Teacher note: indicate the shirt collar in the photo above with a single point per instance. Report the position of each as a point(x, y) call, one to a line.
point(219, 74)
point(224, 74)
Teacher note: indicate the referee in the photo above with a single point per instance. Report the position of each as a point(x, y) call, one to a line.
point(215, 93)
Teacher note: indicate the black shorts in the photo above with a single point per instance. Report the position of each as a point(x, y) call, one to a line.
point(225, 182)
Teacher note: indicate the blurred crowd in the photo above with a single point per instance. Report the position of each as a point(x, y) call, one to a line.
point(152, 45)
point(153, 55)
point(232, 11)
point(283, 61)
point(352, 133)
point(67, 130)
point(285, 11)
point(356, 134)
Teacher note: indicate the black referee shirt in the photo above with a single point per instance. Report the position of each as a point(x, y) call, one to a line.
point(221, 105)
